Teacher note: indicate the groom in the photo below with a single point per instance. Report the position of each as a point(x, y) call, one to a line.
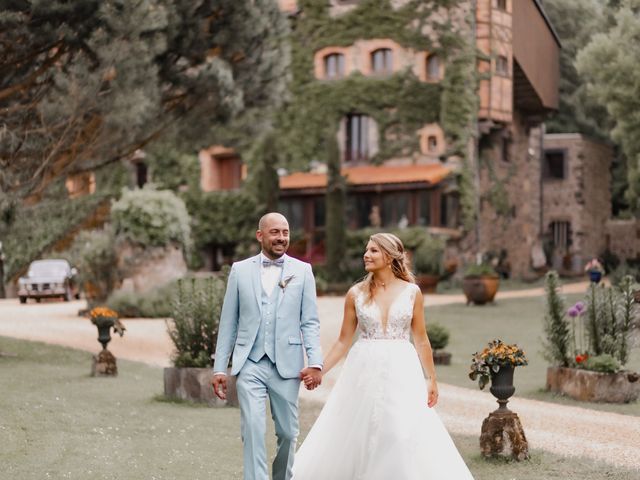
point(269, 314)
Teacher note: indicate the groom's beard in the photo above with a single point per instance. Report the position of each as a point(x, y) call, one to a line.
point(269, 250)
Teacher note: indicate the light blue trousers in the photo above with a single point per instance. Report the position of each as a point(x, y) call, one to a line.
point(255, 382)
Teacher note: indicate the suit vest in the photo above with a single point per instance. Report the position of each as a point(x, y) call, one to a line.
point(265, 343)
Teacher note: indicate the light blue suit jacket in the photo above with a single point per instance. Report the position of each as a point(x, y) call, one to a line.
point(297, 322)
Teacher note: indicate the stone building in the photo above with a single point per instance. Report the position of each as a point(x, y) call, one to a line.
point(576, 199)
point(419, 184)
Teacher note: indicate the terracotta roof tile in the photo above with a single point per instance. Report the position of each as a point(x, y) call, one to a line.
point(370, 175)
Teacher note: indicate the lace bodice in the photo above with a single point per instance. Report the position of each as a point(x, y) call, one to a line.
point(399, 317)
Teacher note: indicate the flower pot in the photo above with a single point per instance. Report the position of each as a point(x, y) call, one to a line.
point(502, 386)
point(595, 276)
point(441, 358)
point(589, 386)
point(104, 334)
point(194, 385)
point(480, 289)
point(427, 282)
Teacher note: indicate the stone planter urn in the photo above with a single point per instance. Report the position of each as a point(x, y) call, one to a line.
point(104, 363)
point(427, 283)
point(480, 290)
point(502, 386)
point(589, 386)
point(194, 385)
point(502, 433)
point(441, 357)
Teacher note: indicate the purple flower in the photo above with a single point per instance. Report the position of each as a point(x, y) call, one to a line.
point(573, 312)
point(579, 306)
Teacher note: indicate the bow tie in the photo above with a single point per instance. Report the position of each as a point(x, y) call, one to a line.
point(273, 263)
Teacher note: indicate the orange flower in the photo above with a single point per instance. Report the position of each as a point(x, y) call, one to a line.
point(102, 312)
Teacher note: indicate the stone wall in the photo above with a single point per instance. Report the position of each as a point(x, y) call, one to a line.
point(623, 238)
point(510, 161)
point(583, 197)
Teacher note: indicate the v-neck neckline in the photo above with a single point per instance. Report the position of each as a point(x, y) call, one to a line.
point(384, 325)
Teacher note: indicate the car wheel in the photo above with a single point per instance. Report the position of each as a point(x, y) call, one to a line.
point(23, 299)
point(67, 295)
point(38, 299)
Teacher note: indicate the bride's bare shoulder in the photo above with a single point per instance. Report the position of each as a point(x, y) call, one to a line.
point(355, 291)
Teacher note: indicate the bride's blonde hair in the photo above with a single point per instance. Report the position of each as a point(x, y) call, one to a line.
point(391, 246)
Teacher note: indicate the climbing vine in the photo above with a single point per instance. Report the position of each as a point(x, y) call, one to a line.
point(401, 103)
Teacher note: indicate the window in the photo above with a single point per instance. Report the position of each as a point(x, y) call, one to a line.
point(80, 184)
point(449, 211)
point(561, 235)
point(432, 143)
point(334, 65)
point(502, 66)
point(382, 61)
point(357, 138)
point(501, 5)
point(359, 211)
point(230, 170)
point(554, 165)
point(424, 208)
point(433, 67)
point(142, 174)
point(395, 207)
point(506, 149)
point(293, 210)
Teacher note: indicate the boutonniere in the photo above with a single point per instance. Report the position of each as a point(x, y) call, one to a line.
point(285, 281)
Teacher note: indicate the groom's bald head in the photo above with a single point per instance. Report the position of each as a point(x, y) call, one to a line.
point(273, 234)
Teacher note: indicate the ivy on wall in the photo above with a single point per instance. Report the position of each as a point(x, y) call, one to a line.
point(400, 103)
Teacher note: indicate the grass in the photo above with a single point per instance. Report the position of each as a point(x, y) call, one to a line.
point(453, 286)
point(514, 321)
point(58, 423)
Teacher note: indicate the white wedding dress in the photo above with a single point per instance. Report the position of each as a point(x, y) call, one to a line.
point(376, 424)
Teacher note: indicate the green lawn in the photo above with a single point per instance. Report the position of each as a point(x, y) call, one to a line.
point(59, 423)
point(514, 321)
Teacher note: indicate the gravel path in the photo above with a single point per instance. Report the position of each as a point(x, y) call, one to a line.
point(608, 437)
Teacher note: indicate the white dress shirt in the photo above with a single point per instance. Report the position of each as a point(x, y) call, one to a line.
point(270, 276)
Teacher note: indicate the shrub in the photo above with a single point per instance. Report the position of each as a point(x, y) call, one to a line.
point(601, 326)
point(480, 270)
point(427, 257)
point(438, 336)
point(556, 326)
point(151, 217)
point(93, 253)
point(196, 313)
point(155, 303)
point(604, 363)
point(609, 318)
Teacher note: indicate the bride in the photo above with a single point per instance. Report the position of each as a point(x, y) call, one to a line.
point(378, 423)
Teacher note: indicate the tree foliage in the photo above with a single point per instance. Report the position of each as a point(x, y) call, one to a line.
point(87, 82)
point(576, 21)
point(611, 64)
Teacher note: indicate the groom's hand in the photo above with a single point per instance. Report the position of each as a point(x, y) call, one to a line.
point(311, 376)
point(219, 384)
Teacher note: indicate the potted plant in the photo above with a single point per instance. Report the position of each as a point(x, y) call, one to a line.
point(497, 363)
point(104, 364)
point(427, 263)
point(502, 433)
point(480, 283)
point(588, 344)
point(194, 332)
point(595, 270)
point(439, 339)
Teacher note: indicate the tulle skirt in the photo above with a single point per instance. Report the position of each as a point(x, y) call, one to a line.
point(376, 424)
